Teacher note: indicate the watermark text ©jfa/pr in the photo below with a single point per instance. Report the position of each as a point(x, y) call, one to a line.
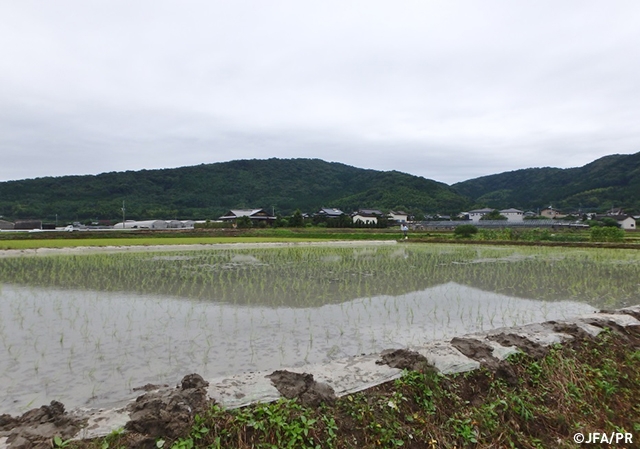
point(606, 438)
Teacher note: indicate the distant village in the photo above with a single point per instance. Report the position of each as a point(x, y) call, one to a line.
point(334, 217)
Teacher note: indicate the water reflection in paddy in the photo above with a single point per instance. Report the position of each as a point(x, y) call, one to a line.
point(91, 347)
point(75, 345)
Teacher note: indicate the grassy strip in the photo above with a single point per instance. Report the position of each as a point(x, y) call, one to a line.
point(212, 236)
point(139, 241)
point(195, 237)
point(587, 386)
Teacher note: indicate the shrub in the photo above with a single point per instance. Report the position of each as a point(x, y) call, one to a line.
point(244, 222)
point(607, 234)
point(465, 231)
point(493, 215)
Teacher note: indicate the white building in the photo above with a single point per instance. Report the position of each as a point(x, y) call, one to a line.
point(513, 215)
point(144, 224)
point(477, 214)
point(398, 216)
point(367, 216)
point(364, 218)
point(626, 222)
point(174, 224)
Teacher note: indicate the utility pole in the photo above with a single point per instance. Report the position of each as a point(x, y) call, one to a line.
point(123, 209)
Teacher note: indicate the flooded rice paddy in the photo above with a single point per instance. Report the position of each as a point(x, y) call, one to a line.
point(87, 329)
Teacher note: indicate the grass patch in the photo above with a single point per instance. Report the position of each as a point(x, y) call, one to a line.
point(211, 236)
point(192, 237)
point(138, 241)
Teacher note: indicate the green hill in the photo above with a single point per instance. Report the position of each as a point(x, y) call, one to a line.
point(611, 181)
point(209, 190)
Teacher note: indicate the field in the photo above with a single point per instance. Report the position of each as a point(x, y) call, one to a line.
point(21, 244)
point(544, 237)
point(88, 328)
point(35, 240)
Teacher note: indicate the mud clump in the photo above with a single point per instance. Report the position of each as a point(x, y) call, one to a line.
point(150, 387)
point(405, 359)
point(38, 426)
point(303, 387)
point(571, 329)
point(535, 350)
point(483, 353)
point(169, 412)
point(476, 350)
point(633, 312)
point(628, 333)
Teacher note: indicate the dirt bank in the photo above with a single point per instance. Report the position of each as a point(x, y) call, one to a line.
point(37, 427)
point(161, 412)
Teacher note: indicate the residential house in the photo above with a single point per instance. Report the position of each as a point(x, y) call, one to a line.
point(398, 216)
point(256, 215)
point(329, 212)
point(513, 215)
point(367, 216)
point(477, 214)
point(625, 222)
point(552, 213)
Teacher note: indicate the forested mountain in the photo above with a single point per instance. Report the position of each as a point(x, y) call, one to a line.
point(207, 191)
point(611, 181)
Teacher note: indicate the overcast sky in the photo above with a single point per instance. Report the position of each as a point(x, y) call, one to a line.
point(448, 90)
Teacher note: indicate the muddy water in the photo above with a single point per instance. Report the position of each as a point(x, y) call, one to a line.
point(89, 348)
point(85, 329)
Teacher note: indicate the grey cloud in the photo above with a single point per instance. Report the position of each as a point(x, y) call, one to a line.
point(445, 90)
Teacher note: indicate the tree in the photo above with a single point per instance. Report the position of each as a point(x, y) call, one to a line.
point(494, 215)
point(244, 222)
point(609, 222)
point(281, 222)
point(383, 222)
point(344, 221)
point(417, 215)
point(296, 220)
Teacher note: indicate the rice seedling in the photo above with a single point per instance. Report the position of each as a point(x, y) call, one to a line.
point(148, 316)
